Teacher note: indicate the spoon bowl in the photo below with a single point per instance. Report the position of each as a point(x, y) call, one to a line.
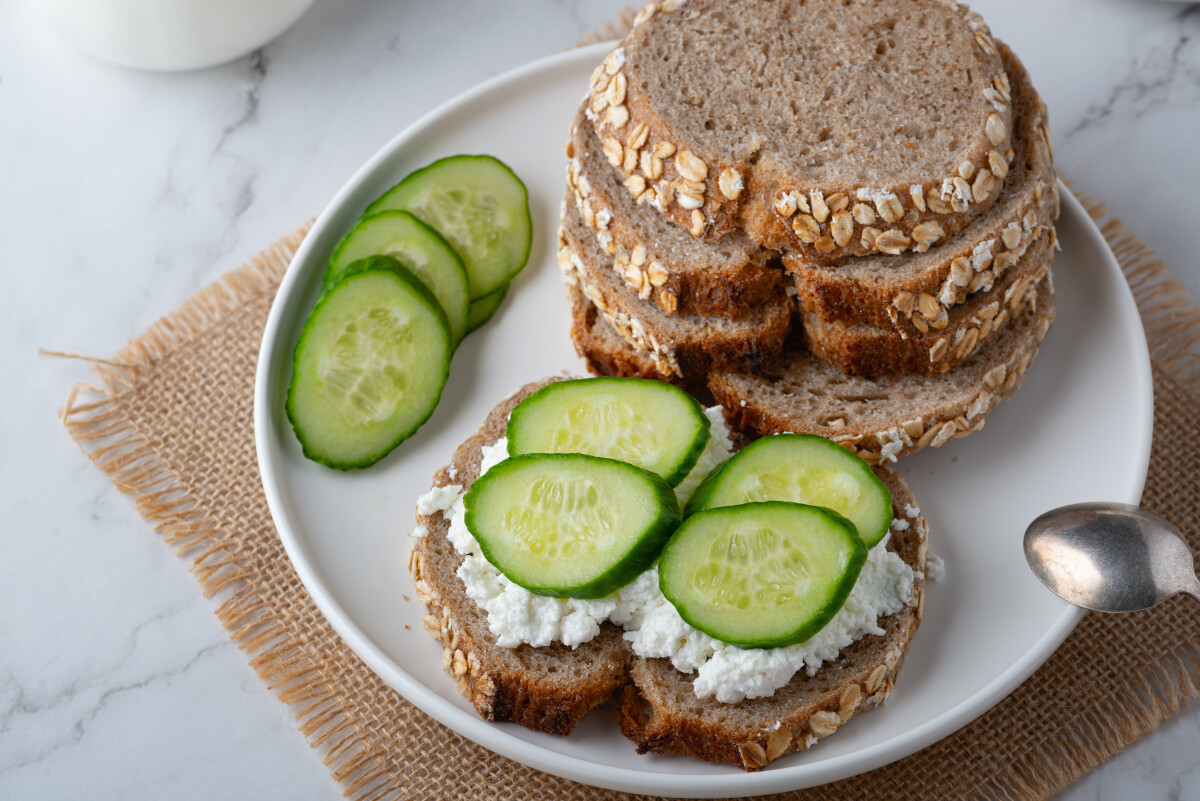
point(1110, 557)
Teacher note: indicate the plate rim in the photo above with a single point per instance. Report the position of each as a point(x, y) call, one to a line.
point(494, 737)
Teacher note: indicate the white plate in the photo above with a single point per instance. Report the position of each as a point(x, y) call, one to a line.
point(1079, 430)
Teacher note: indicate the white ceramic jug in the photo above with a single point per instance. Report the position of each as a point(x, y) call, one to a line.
point(170, 34)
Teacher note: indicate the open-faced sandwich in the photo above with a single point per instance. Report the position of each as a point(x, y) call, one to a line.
point(599, 539)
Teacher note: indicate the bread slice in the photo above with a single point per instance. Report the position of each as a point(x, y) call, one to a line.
point(660, 712)
point(955, 335)
point(786, 119)
point(884, 418)
point(681, 274)
point(551, 688)
point(548, 688)
point(680, 345)
point(910, 291)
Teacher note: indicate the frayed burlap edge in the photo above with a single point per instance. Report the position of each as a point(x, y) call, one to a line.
point(1172, 326)
point(94, 419)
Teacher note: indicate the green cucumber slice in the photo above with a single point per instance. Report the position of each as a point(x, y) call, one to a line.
point(481, 208)
point(651, 424)
point(419, 248)
point(369, 367)
point(570, 525)
point(483, 309)
point(761, 575)
point(805, 469)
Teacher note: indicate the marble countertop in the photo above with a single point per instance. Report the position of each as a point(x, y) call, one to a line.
point(122, 193)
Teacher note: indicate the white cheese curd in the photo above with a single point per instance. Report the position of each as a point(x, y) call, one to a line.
point(652, 625)
point(884, 587)
point(935, 567)
point(718, 449)
point(438, 499)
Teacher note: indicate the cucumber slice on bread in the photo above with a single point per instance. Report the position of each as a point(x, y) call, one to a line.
point(653, 425)
point(479, 205)
point(568, 524)
point(369, 366)
point(801, 468)
point(761, 575)
point(420, 249)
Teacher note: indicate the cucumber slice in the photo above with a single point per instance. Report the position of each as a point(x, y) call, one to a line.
point(369, 367)
point(761, 575)
point(805, 469)
point(419, 248)
point(483, 309)
point(479, 206)
point(651, 424)
point(570, 525)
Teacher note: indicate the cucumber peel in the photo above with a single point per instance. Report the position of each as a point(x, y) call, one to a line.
point(570, 525)
point(479, 206)
point(801, 468)
point(761, 575)
point(369, 366)
point(650, 424)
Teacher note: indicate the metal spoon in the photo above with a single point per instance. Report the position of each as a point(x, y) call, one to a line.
point(1111, 557)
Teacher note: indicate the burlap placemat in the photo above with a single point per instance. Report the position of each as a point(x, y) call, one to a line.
point(170, 422)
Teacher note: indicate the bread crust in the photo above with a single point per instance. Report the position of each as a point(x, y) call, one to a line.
point(886, 292)
point(927, 420)
point(658, 710)
point(680, 346)
point(711, 193)
point(731, 289)
point(503, 684)
point(954, 337)
point(515, 685)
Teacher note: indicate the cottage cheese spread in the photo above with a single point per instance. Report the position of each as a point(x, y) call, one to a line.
point(652, 625)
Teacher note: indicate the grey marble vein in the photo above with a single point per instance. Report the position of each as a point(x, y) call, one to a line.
point(1165, 73)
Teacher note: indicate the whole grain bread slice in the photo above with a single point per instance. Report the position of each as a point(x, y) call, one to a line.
point(548, 688)
point(660, 712)
point(681, 274)
point(785, 118)
point(551, 688)
point(910, 292)
point(683, 344)
point(884, 418)
point(952, 338)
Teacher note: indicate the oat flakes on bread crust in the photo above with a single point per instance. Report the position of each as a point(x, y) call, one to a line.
point(607, 353)
point(682, 344)
point(660, 713)
point(884, 418)
point(952, 338)
point(551, 688)
point(911, 291)
point(668, 267)
point(831, 131)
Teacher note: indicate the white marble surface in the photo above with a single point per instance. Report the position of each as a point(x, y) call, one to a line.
point(123, 193)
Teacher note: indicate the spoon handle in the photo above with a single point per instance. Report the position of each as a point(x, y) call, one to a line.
point(1193, 588)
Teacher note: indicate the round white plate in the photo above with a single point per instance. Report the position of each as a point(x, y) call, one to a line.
point(1079, 430)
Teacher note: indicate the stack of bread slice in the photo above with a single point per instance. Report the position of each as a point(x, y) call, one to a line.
point(831, 217)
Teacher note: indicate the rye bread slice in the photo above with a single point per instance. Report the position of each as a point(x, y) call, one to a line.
point(884, 418)
point(869, 350)
point(551, 688)
point(660, 712)
point(607, 353)
point(681, 274)
point(911, 291)
point(783, 118)
point(548, 689)
point(680, 345)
